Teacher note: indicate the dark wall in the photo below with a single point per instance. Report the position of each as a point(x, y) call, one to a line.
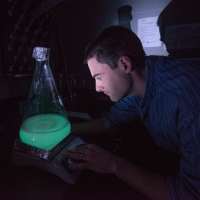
point(11, 86)
point(75, 25)
point(17, 39)
point(179, 25)
point(80, 21)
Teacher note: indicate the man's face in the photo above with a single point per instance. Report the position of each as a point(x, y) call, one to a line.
point(114, 83)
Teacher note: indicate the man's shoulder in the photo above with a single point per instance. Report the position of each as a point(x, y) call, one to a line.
point(180, 78)
point(169, 68)
point(165, 59)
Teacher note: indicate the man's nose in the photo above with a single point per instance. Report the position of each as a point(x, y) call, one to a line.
point(99, 88)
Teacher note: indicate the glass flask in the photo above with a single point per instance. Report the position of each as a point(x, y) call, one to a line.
point(45, 122)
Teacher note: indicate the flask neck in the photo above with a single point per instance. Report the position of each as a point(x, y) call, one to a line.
point(40, 64)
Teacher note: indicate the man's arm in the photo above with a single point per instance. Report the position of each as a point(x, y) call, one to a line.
point(122, 112)
point(151, 185)
point(92, 127)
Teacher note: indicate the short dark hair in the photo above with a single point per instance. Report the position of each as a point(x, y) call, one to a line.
point(114, 42)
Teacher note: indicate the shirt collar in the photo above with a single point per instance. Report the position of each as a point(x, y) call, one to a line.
point(148, 94)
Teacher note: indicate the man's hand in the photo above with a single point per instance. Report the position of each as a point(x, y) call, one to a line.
point(95, 158)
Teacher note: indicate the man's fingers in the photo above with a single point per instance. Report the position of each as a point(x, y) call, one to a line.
point(76, 156)
point(81, 149)
point(83, 153)
point(84, 149)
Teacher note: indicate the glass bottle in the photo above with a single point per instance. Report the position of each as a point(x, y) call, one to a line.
point(45, 122)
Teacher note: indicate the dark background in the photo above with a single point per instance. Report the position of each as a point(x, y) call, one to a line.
point(66, 27)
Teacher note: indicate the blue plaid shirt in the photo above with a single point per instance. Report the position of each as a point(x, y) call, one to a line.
point(170, 110)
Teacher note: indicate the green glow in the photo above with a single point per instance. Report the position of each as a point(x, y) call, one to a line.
point(44, 131)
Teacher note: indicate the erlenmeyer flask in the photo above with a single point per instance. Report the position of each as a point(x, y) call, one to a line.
point(45, 122)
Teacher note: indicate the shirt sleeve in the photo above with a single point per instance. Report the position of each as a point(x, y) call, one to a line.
point(186, 184)
point(122, 112)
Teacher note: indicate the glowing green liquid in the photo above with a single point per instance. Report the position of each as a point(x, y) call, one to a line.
point(44, 131)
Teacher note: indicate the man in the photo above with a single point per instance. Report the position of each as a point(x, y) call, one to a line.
point(164, 92)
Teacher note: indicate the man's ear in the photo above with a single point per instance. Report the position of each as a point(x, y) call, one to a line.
point(125, 64)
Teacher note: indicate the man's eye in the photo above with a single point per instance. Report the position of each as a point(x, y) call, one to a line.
point(98, 79)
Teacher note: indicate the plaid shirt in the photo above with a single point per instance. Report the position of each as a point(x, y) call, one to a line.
point(170, 110)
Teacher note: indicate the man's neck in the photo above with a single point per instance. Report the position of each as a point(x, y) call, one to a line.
point(139, 82)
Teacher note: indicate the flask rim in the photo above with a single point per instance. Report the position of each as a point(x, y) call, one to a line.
point(41, 53)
